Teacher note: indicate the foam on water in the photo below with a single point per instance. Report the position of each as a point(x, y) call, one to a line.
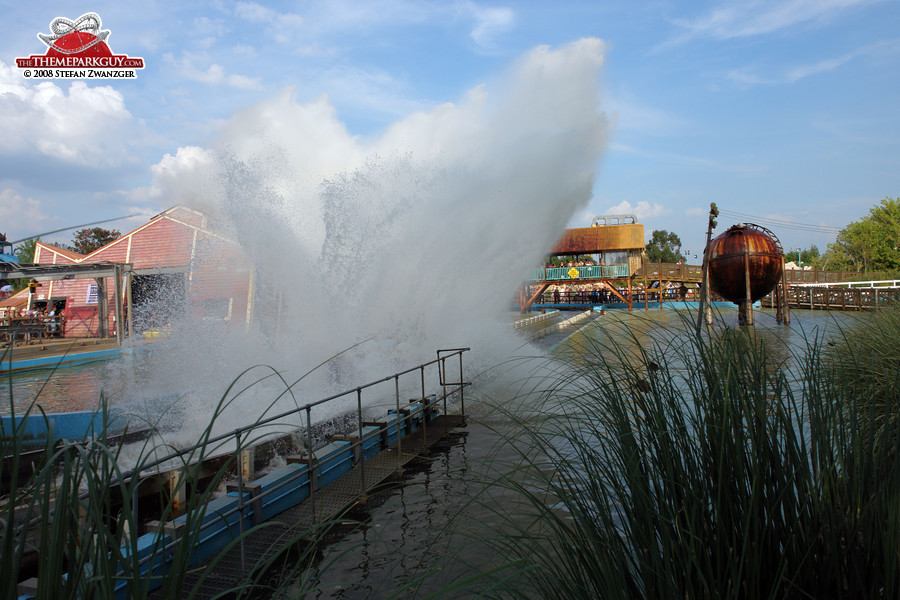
point(409, 241)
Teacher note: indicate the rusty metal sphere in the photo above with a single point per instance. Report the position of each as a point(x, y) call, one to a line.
point(727, 256)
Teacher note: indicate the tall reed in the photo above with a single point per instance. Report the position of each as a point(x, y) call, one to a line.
point(69, 521)
point(672, 467)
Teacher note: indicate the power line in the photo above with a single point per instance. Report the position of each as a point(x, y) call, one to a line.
point(781, 223)
point(72, 227)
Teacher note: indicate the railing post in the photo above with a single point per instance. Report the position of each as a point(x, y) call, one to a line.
point(311, 464)
point(443, 370)
point(362, 447)
point(425, 408)
point(240, 490)
point(462, 400)
point(399, 436)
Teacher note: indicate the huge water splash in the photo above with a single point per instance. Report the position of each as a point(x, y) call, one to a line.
point(413, 240)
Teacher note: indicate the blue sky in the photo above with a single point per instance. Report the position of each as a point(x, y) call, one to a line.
point(782, 112)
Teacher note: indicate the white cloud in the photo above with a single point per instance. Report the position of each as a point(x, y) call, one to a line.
point(490, 22)
point(16, 211)
point(184, 178)
point(735, 19)
point(284, 27)
point(746, 76)
point(696, 212)
point(642, 210)
point(84, 126)
point(213, 75)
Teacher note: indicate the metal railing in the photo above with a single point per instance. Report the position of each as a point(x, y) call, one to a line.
point(241, 435)
point(574, 273)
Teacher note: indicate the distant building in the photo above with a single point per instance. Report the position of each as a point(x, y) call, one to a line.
point(179, 267)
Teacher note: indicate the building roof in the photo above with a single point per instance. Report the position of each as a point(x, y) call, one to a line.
point(177, 214)
point(71, 255)
point(18, 299)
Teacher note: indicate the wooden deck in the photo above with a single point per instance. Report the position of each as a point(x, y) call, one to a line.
point(837, 298)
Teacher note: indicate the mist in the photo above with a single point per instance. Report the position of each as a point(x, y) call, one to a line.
point(398, 244)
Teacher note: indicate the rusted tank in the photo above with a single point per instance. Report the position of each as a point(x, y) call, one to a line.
point(727, 255)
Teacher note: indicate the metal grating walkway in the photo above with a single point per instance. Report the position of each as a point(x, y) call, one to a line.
point(222, 575)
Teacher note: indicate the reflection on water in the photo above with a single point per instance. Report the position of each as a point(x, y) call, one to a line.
point(126, 383)
point(63, 390)
point(407, 540)
point(666, 331)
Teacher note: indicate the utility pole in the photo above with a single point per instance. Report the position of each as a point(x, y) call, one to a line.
point(705, 311)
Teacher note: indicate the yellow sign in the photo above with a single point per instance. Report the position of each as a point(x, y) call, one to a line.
point(573, 273)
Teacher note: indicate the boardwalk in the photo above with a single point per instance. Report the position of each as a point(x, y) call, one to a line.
point(833, 297)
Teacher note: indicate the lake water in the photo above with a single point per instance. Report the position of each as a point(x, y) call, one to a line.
point(406, 542)
point(406, 538)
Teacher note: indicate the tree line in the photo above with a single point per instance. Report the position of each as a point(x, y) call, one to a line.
point(84, 241)
point(868, 245)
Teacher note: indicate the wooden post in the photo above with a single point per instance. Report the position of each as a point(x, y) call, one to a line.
point(102, 308)
point(645, 266)
point(630, 299)
point(786, 310)
point(129, 280)
point(247, 458)
point(660, 286)
point(745, 311)
point(177, 490)
point(117, 289)
point(705, 311)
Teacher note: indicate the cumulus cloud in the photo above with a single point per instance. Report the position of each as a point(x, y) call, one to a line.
point(642, 210)
point(16, 211)
point(82, 125)
point(187, 67)
point(283, 26)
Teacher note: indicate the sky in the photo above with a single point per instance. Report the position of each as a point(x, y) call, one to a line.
point(783, 113)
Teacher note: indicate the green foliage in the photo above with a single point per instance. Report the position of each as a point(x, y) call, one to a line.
point(25, 250)
point(807, 257)
point(713, 468)
point(870, 244)
point(664, 247)
point(87, 240)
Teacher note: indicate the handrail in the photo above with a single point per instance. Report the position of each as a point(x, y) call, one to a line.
point(129, 475)
point(584, 272)
point(882, 283)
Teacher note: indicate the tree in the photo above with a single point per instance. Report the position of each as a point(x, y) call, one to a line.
point(25, 250)
point(86, 241)
point(664, 247)
point(804, 258)
point(870, 244)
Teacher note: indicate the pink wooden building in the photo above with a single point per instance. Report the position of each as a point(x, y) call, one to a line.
point(178, 267)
